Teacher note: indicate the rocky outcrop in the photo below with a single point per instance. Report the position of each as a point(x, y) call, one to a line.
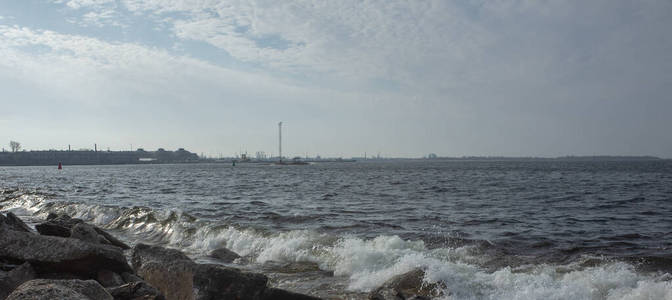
point(50, 254)
point(224, 255)
point(14, 278)
point(409, 285)
point(178, 277)
point(65, 226)
point(46, 289)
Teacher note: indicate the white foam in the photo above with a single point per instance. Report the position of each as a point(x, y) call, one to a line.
point(367, 263)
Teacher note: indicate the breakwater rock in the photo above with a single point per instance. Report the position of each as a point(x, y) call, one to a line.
point(69, 259)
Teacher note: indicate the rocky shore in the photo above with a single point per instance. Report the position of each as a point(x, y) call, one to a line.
point(66, 258)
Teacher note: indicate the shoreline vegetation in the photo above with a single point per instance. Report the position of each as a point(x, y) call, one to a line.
point(67, 258)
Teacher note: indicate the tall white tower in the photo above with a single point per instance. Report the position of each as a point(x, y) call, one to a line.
point(280, 141)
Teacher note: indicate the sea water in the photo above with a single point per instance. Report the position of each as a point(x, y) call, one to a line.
point(482, 229)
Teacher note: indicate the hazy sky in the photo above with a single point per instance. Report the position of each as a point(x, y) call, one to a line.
point(403, 78)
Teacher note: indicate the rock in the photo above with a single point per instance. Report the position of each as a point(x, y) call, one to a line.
point(174, 280)
point(224, 255)
point(409, 285)
point(111, 239)
point(130, 277)
point(279, 294)
point(219, 282)
point(15, 278)
point(107, 278)
point(50, 254)
point(52, 216)
point(178, 277)
point(47, 289)
point(85, 232)
point(14, 223)
point(58, 225)
point(62, 225)
point(135, 290)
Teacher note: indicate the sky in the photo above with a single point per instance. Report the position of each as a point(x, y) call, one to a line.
point(395, 77)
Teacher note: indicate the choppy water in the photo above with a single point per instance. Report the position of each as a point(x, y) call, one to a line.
point(486, 230)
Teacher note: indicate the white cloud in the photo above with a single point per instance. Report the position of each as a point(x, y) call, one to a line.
point(77, 4)
point(485, 75)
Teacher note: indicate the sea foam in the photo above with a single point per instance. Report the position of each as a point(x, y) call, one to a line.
point(364, 263)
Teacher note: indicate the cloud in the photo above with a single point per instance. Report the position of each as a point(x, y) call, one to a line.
point(472, 77)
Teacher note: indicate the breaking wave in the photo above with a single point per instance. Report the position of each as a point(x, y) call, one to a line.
point(362, 263)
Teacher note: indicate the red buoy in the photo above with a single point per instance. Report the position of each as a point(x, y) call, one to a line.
point(60, 167)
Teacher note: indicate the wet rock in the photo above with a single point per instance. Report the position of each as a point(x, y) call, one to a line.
point(50, 254)
point(12, 222)
point(63, 225)
point(57, 225)
point(178, 277)
point(107, 278)
point(224, 255)
point(409, 285)
point(135, 290)
point(111, 239)
point(48, 289)
point(217, 282)
point(14, 278)
point(279, 294)
point(85, 232)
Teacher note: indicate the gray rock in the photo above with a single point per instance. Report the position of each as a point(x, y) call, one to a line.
point(14, 223)
point(50, 254)
point(15, 278)
point(62, 225)
point(48, 289)
point(409, 285)
point(130, 277)
point(279, 294)
point(108, 278)
point(224, 255)
point(85, 232)
point(178, 277)
point(111, 239)
point(57, 225)
point(135, 290)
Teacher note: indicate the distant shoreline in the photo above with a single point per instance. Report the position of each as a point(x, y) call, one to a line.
point(181, 156)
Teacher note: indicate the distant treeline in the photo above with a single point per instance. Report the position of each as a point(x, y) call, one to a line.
point(90, 157)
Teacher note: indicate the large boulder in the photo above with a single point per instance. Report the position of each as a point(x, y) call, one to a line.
point(47, 289)
point(409, 285)
point(14, 278)
point(12, 222)
point(65, 226)
point(50, 254)
point(178, 277)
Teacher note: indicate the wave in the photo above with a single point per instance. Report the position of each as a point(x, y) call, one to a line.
point(363, 263)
